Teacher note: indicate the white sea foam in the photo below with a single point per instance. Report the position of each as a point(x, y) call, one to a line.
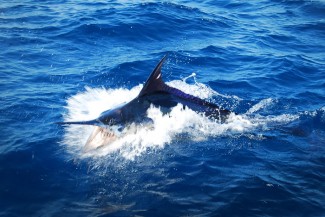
point(260, 105)
point(165, 128)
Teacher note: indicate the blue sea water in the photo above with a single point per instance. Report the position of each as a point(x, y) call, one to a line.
point(265, 60)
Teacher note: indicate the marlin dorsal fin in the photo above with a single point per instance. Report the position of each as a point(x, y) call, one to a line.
point(154, 82)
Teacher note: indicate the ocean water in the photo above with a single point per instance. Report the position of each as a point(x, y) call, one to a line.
point(71, 60)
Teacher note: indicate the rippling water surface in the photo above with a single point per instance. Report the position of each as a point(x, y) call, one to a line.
point(70, 60)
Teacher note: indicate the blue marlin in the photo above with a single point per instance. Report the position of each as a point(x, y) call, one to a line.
point(157, 93)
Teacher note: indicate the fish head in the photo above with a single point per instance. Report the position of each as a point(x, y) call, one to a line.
point(111, 117)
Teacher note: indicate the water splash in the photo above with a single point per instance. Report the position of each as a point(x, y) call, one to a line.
point(165, 127)
point(260, 105)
